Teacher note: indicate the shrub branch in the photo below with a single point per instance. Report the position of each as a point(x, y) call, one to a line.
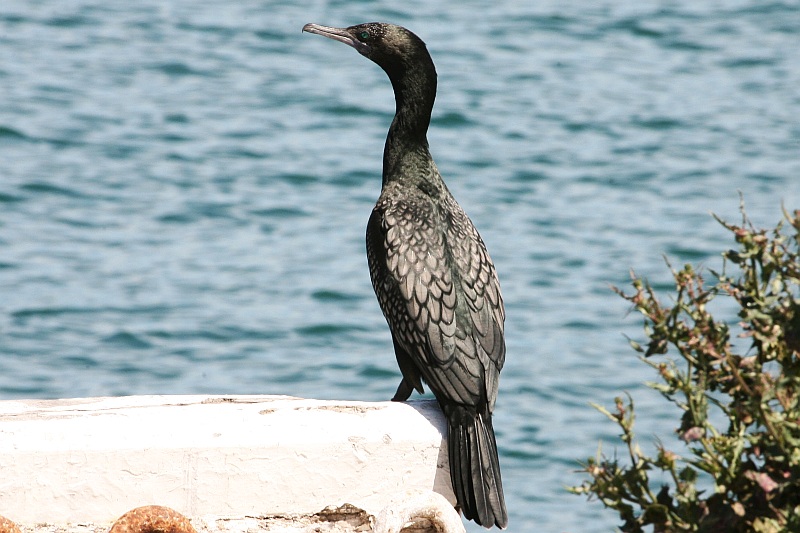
point(753, 464)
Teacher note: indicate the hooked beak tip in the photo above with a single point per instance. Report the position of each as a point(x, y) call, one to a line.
point(337, 34)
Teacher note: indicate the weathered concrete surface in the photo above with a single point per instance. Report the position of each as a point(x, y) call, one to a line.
point(345, 519)
point(238, 459)
point(351, 521)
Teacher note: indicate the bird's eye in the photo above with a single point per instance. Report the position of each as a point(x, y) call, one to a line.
point(364, 35)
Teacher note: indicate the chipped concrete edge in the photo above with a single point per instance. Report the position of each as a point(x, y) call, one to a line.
point(343, 519)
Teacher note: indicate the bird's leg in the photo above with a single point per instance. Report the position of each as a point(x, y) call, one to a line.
point(411, 378)
point(404, 390)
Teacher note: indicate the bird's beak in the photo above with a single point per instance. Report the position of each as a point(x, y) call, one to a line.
point(337, 34)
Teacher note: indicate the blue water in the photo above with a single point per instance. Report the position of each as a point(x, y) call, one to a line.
point(184, 187)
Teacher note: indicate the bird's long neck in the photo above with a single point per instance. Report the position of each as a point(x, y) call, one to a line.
point(406, 154)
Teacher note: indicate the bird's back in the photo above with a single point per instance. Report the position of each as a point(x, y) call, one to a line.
point(439, 292)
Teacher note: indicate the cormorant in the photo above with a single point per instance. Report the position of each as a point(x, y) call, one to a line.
point(432, 275)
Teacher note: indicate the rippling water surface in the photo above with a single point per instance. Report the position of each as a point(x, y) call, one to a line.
point(184, 187)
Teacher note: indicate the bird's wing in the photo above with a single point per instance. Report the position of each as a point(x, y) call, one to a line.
point(454, 325)
point(479, 288)
point(478, 281)
point(415, 257)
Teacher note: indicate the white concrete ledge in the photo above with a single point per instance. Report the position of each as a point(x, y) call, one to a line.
point(91, 460)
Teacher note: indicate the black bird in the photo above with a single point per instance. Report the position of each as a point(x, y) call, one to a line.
point(434, 280)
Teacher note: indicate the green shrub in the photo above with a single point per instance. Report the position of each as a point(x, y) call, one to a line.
point(751, 468)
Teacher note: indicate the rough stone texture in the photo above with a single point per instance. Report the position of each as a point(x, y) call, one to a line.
point(152, 519)
point(7, 526)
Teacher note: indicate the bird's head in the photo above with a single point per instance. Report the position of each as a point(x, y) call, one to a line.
point(392, 47)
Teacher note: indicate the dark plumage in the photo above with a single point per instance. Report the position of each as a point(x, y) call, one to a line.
point(433, 278)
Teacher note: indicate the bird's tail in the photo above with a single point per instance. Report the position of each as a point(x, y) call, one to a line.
point(474, 467)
